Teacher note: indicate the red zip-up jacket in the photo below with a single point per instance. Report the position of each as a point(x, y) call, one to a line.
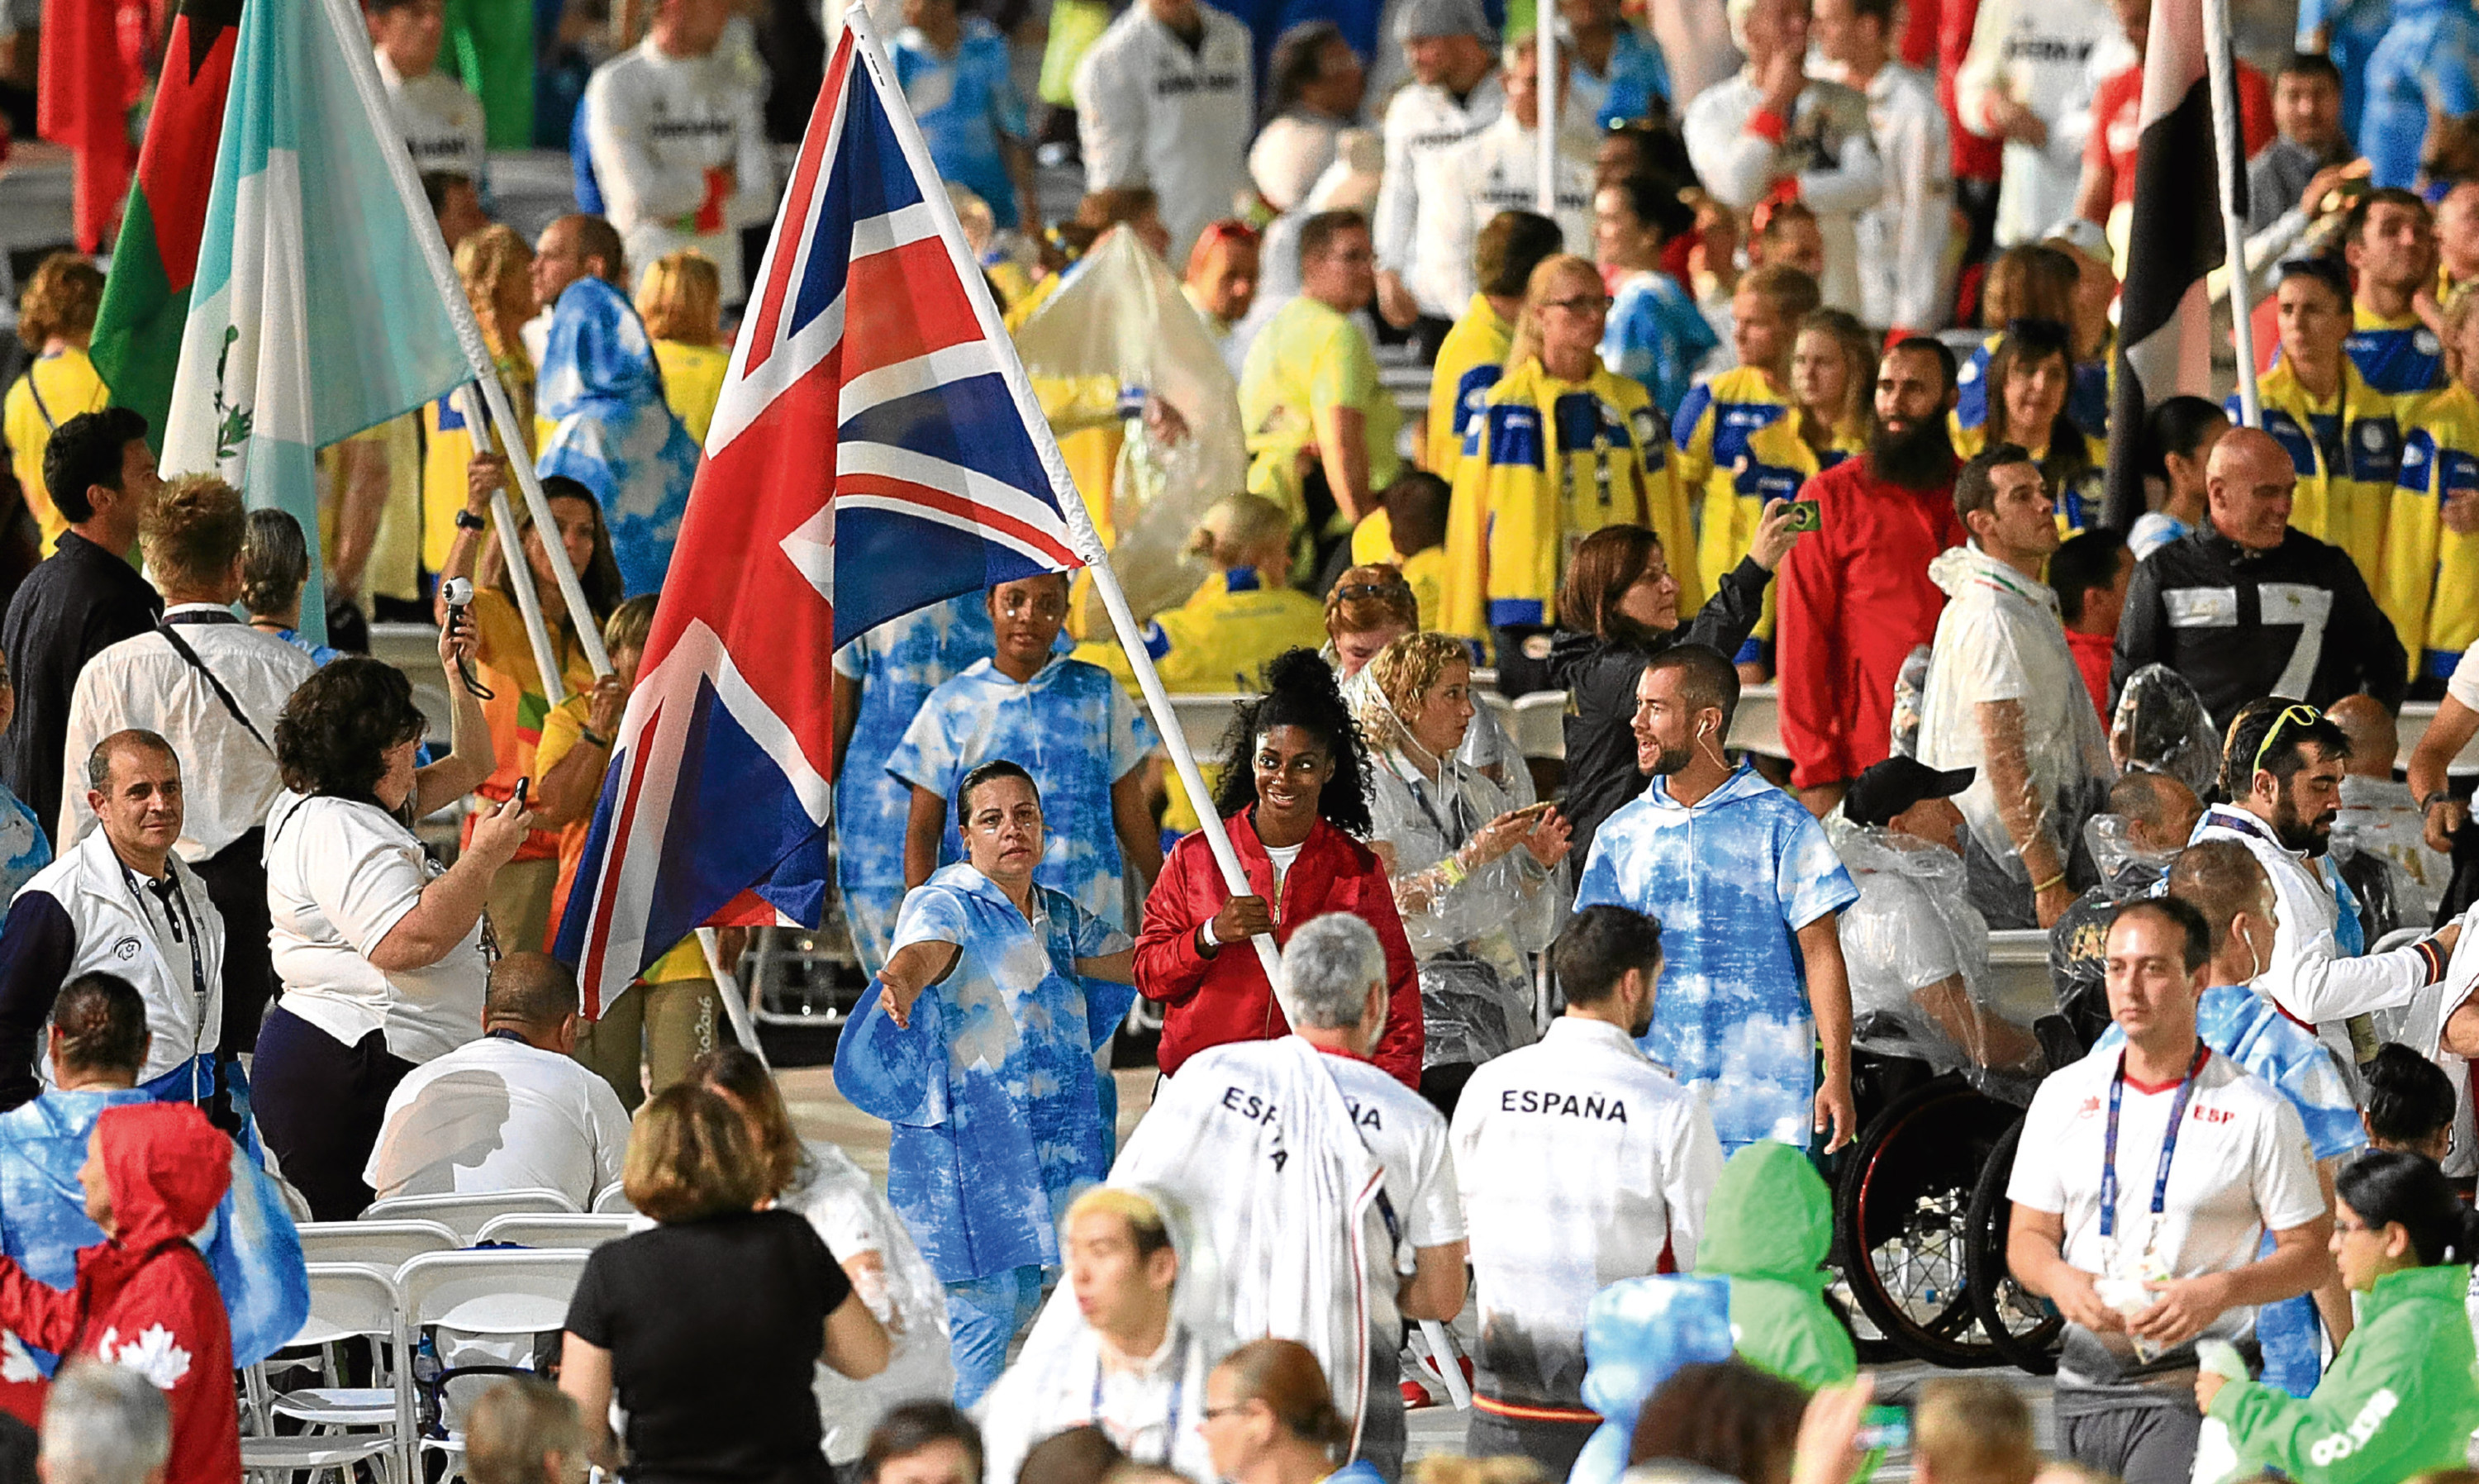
point(144, 1298)
point(1209, 1001)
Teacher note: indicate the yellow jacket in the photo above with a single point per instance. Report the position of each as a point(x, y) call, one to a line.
point(1469, 361)
point(1779, 462)
point(1546, 464)
point(55, 389)
point(1721, 475)
point(2431, 588)
point(1221, 638)
point(692, 382)
point(2347, 454)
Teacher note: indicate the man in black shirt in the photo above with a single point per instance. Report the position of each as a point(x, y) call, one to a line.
point(82, 597)
point(2244, 606)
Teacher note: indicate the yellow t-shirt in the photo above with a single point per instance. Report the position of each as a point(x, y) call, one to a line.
point(561, 731)
point(692, 382)
point(55, 389)
point(1426, 572)
point(1311, 356)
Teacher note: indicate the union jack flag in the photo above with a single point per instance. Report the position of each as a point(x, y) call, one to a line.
point(874, 411)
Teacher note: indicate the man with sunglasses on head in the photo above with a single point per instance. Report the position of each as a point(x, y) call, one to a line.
point(2283, 773)
point(2248, 605)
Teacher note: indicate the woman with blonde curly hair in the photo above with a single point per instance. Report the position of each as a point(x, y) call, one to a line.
point(496, 265)
point(1473, 876)
point(680, 299)
point(56, 320)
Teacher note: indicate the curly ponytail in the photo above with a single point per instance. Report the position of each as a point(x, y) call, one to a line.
point(1300, 691)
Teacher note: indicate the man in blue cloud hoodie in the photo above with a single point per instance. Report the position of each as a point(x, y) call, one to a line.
point(1747, 889)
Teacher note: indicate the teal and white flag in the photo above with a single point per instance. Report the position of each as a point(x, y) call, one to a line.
point(313, 316)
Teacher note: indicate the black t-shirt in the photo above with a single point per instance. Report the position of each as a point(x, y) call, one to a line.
point(714, 1328)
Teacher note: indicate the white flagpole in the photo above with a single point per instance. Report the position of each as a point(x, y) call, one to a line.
point(520, 574)
point(1544, 30)
point(727, 986)
point(2221, 72)
point(1080, 524)
point(351, 37)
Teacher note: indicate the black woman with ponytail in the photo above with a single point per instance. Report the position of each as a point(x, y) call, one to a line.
point(1293, 795)
point(2400, 1396)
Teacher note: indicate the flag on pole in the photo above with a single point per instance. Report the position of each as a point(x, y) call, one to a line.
point(146, 298)
point(84, 86)
point(312, 314)
point(2165, 332)
point(873, 409)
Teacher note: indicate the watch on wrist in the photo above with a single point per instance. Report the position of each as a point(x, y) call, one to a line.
point(467, 520)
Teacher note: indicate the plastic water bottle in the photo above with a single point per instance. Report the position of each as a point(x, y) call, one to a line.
point(426, 1372)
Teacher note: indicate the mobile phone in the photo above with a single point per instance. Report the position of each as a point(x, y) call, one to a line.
point(1882, 1429)
point(1806, 515)
point(517, 795)
point(1532, 812)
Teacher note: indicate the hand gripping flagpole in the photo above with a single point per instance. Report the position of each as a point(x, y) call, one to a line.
point(521, 576)
point(345, 27)
point(1062, 487)
point(2220, 72)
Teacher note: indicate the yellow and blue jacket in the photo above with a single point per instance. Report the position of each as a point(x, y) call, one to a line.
point(448, 446)
point(1469, 361)
point(1546, 464)
point(2396, 356)
point(2430, 587)
point(1719, 474)
point(2079, 507)
point(1779, 461)
point(1221, 638)
point(2346, 453)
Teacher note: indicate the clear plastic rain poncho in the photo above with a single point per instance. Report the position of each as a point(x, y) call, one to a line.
point(2161, 726)
point(1122, 315)
point(1470, 938)
point(1917, 954)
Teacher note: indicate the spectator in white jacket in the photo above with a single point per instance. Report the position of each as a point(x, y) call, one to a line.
point(1455, 94)
point(1167, 99)
point(441, 118)
point(1772, 123)
point(1902, 239)
point(1498, 169)
point(2029, 81)
point(678, 145)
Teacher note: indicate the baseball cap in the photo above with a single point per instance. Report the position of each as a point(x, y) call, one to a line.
point(1889, 787)
point(1419, 19)
point(2089, 237)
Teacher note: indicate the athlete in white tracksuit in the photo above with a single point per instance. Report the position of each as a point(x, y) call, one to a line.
point(1826, 144)
point(1153, 110)
point(679, 152)
point(1431, 250)
point(441, 118)
point(2048, 56)
point(1902, 239)
point(1498, 169)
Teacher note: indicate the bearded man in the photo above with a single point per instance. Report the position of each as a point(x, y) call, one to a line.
point(1855, 598)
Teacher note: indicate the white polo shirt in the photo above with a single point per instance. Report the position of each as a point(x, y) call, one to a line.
point(1409, 1138)
point(1580, 1162)
point(2242, 1167)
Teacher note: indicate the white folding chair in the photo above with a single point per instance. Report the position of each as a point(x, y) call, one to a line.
point(386, 1245)
point(466, 1214)
point(503, 1291)
point(1539, 724)
point(613, 1200)
point(523, 1228)
point(346, 1425)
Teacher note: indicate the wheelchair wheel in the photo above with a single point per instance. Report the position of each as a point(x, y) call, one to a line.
point(2023, 1327)
point(1900, 1214)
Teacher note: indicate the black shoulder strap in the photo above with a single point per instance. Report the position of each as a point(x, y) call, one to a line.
point(181, 647)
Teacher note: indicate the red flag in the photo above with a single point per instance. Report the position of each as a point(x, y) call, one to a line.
point(83, 101)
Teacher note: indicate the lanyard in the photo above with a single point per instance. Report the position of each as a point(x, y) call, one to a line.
point(1178, 1388)
point(176, 911)
point(2168, 1142)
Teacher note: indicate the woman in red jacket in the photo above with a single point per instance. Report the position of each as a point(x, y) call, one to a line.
point(1294, 799)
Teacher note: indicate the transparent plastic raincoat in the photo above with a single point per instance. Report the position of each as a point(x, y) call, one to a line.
point(1470, 936)
point(2161, 726)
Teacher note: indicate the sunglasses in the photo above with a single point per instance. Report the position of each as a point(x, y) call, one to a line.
point(2301, 715)
point(1353, 592)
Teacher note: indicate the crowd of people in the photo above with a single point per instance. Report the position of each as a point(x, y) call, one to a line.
point(1474, 1068)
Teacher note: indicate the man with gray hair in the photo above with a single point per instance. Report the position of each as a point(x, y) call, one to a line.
point(1322, 1184)
point(105, 1424)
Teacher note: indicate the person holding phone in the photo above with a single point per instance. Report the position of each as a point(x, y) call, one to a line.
point(1475, 878)
point(381, 955)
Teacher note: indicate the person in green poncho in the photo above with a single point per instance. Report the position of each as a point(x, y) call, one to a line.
point(1768, 1228)
point(2400, 1396)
